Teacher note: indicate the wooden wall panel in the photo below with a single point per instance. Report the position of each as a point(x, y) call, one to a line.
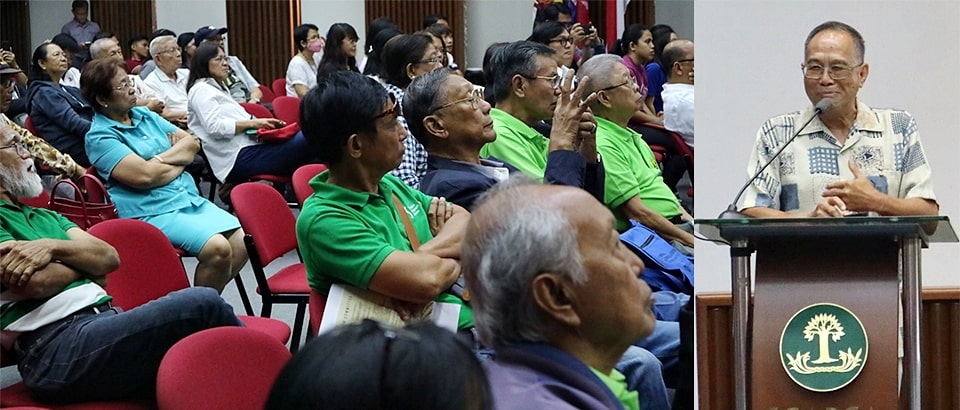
point(940, 349)
point(15, 28)
point(409, 16)
point(124, 18)
point(261, 34)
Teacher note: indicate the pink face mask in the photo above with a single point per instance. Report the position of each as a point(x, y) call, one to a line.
point(315, 45)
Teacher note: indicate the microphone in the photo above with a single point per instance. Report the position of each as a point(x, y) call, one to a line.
point(731, 212)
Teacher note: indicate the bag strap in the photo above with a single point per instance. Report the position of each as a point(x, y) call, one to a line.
point(92, 183)
point(77, 194)
point(407, 225)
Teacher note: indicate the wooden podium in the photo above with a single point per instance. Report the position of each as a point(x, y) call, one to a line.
point(849, 265)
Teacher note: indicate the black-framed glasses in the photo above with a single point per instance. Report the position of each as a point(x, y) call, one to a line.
point(630, 80)
point(395, 111)
point(837, 71)
point(19, 146)
point(554, 80)
point(565, 41)
point(475, 97)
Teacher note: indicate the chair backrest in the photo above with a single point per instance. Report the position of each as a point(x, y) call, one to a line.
point(220, 368)
point(317, 303)
point(287, 109)
point(268, 94)
point(28, 124)
point(149, 265)
point(301, 180)
point(264, 215)
point(256, 110)
point(279, 87)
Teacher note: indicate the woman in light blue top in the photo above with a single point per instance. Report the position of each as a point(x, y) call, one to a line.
point(142, 158)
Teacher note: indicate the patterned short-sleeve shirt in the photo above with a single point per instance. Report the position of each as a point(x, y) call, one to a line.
point(883, 143)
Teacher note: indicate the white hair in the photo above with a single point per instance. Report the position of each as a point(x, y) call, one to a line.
point(158, 43)
point(99, 47)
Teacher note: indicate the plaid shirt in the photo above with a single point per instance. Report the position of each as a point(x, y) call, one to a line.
point(46, 154)
point(413, 166)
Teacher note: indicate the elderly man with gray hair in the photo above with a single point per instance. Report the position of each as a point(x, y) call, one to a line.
point(557, 296)
point(109, 48)
point(169, 81)
point(634, 187)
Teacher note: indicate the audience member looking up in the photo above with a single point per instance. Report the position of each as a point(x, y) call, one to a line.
point(302, 69)
point(59, 113)
point(70, 49)
point(371, 366)
point(451, 120)
point(71, 345)
point(240, 83)
point(557, 296)
point(142, 159)
point(367, 229)
point(634, 188)
point(340, 51)
point(404, 58)
point(227, 131)
point(81, 29)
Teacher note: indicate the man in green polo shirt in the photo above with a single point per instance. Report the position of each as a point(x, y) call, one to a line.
point(634, 188)
point(529, 90)
point(352, 229)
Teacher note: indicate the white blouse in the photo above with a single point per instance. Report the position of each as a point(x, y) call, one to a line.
point(299, 71)
point(212, 116)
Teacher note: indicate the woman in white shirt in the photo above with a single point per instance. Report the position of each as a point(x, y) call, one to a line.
point(227, 131)
point(302, 69)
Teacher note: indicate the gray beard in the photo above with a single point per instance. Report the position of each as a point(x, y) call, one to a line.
point(20, 185)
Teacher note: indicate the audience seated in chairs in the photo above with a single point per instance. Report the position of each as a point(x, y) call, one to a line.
point(370, 366)
point(70, 343)
point(238, 81)
point(59, 113)
point(142, 158)
point(169, 81)
point(452, 121)
point(302, 69)
point(404, 58)
point(46, 155)
point(228, 131)
point(339, 51)
point(559, 299)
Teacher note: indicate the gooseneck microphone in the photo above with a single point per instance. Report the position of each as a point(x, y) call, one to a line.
point(822, 106)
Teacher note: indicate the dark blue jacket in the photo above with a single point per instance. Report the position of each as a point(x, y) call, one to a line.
point(462, 183)
point(61, 117)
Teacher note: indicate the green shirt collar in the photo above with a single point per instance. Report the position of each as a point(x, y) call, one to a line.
point(617, 384)
point(508, 120)
point(339, 194)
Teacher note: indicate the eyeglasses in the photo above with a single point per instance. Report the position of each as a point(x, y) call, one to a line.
point(686, 60)
point(125, 84)
point(554, 80)
point(395, 111)
point(632, 81)
point(475, 97)
point(565, 42)
point(175, 51)
point(220, 59)
point(837, 72)
point(20, 147)
point(431, 60)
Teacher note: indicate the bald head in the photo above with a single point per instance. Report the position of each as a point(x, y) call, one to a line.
point(677, 61)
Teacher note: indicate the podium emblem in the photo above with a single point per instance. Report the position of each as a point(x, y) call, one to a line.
point(823, 347)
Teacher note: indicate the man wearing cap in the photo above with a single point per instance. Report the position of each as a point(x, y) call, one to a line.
point(39, 149)
point(243, 87)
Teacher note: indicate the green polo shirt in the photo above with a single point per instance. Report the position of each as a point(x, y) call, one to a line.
point(517, 144)
point(617, 384)
point(345, 235)
point(631, 170)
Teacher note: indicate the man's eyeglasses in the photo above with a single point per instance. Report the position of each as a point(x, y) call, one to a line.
point(125, 84)
point(20, 147)
point(395, 111)
point(175, 51)
point(565, 42)
point(554, 80)
point(686, 60)
point(837, 72)
point(632, 81)
point(475, 97)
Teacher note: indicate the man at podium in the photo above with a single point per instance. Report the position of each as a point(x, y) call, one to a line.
point(849, 160)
